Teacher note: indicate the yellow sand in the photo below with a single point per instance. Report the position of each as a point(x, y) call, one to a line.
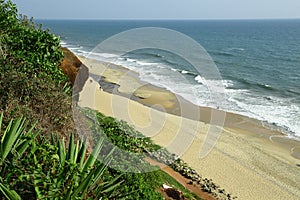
point(243, 162)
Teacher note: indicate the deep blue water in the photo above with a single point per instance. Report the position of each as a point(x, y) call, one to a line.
point(259, 61)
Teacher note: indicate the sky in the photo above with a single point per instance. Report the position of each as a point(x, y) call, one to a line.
point(159, 9)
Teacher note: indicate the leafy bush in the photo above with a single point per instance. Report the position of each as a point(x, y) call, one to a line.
point(125, 136)
point(36, 47)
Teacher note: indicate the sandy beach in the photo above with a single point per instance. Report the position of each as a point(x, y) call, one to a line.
point(248, 160)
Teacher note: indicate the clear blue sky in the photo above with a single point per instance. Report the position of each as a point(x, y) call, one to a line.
point(159, 9)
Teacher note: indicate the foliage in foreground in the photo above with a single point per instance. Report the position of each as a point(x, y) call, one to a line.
point(33, 170)
point(47, 169)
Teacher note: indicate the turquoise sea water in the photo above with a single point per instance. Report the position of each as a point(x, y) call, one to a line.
point(259, 61)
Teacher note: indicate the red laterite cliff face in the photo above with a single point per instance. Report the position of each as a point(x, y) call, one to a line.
point(71, 66)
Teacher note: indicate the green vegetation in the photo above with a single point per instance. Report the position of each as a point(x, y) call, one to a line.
point(125, 136)
point(34, 167)
point(30, 81)
point(21, 40)
point(34, 163)
point(48, 170)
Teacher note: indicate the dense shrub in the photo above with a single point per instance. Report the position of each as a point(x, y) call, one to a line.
point(34, 97)
point(22, 40)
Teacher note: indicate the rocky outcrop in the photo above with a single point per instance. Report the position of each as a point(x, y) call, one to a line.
point(76, 71)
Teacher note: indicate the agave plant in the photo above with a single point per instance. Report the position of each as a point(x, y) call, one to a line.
point(9, 194)
point(14, 142)
point(89, 170)
point(15, 139)
point(52, 170)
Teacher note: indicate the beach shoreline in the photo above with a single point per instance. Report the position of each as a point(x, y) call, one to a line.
point(248, 159)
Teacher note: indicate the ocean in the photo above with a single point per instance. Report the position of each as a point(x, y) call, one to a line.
point(259, 61)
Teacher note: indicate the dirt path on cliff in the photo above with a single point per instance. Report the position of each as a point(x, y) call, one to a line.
point(182, 180)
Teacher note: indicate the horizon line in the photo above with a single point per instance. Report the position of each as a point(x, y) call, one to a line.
point(166, 19)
